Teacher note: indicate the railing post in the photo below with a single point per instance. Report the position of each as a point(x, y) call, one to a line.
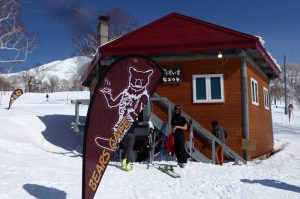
point(169, 118)
point(213, 151)
point(236, 161)
point(77, 113)
point(147, 111)
point(153, 144)
point(150, 147)
point(191, 138)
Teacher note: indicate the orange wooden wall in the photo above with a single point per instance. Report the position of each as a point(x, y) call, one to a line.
point(260, 119)
point(228, 113)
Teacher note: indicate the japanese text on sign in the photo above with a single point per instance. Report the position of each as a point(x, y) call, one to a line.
point(172, 75)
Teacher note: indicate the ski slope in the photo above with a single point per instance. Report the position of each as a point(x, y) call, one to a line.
point(40, 158)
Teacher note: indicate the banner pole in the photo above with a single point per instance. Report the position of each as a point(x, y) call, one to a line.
point(1, 98)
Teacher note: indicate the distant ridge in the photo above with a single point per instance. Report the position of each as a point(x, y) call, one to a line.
point(63, 69)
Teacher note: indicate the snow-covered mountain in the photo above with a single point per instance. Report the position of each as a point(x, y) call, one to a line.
point(44, 77)
point(61, 68)
point(66, 68)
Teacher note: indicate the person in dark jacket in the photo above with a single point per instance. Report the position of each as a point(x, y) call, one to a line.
point(221, 134)
point(128, 140)
point(179, 125)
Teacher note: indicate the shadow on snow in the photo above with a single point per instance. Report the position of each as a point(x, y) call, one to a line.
point(280, 129)
point(42, 192)
point(274, 183)
point(59, 133)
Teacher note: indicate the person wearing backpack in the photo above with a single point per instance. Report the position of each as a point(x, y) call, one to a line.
point(221, 134)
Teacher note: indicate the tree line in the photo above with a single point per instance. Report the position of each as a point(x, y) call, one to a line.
point(277, 87)
point(40, 79)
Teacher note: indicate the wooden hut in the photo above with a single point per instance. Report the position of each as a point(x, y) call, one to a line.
point(215, 73)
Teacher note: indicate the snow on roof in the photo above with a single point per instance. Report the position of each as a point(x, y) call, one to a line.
point(263, 44)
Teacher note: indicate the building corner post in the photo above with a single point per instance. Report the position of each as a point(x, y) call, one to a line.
point(245, 103)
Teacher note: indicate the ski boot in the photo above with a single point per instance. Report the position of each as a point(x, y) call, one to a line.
point(124, 164)
point(182, 165)
point(128, 167)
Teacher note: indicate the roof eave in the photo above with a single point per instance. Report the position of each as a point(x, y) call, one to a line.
point(270, 62)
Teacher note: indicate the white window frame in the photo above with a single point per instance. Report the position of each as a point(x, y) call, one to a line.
point(266, 98)
point(208, 88)
point(254, 92)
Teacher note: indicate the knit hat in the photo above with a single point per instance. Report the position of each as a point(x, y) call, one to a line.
point(177, 107)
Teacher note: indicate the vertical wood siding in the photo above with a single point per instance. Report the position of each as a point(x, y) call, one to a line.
point(260, 119)
point(228, 113)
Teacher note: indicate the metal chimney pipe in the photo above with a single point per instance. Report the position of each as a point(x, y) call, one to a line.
point(103, 30)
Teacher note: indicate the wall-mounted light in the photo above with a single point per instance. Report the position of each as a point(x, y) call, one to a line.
point(220, 55)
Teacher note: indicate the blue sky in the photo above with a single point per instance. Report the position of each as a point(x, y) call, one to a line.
point(276, 21)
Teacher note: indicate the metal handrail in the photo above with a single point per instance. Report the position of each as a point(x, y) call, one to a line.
point(200, 130)
point(77, 126)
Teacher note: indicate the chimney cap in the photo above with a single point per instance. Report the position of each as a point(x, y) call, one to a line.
point(103, 18)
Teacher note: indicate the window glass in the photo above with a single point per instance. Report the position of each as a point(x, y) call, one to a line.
point(254, 92)
point(208, 88)
point(266, 98)
point(215, 86)
point(200, 88)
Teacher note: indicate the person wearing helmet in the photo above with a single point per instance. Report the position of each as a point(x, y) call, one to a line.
point(179, 125)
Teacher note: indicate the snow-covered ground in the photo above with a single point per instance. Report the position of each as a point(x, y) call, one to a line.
point(39, 159)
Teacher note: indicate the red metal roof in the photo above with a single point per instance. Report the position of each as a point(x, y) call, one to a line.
point(176, 33)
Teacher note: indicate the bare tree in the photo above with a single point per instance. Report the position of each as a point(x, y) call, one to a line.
point(44, 87)
point(86, 43)
point(119, 24)
point(15, 42)
point(293, 81)
point(297, 89)
point(27, 78)
point(4, 85)
point(53, 83)
point(75, 83)
point(33, 78)
point(277, 90)
point(293, 85)
point(64, 85)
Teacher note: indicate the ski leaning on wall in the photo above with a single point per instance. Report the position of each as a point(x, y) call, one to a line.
point(118, 98)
